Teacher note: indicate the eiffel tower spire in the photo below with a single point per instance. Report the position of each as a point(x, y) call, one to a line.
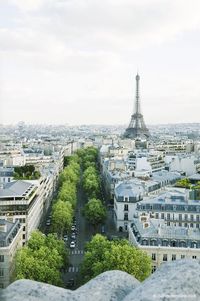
point(137, 127)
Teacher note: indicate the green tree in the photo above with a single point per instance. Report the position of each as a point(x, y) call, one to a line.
point(102, 255)
point(184, 183)
point(95, 212)
point(26, 172)
point(61, 217)
point(67, 193)
point(41, 259)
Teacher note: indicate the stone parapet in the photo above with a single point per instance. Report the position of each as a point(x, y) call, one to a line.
point(178, 280)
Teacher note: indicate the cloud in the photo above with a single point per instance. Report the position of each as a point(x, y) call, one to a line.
point(84, 51)
point(28, 5)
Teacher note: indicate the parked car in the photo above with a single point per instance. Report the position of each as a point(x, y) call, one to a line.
point(73, 228)
point(72, 244)
point(103, 229)
point(65, 237)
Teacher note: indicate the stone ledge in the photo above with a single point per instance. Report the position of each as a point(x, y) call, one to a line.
point(178, 280)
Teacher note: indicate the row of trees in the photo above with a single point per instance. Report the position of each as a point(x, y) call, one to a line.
point(102, 255)
point(63, 208)
point(42, 259)
point(94, 210)
point(44, 256)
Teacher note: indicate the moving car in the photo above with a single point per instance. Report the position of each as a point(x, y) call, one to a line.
point(48, 222)
point(73, 235)
point(72, 244)
point(70, 283)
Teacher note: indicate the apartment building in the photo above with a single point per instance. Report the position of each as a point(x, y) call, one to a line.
point(174, 207)
point(163, 243)
point(26, 201)
point(10, 241)
point(127, 194)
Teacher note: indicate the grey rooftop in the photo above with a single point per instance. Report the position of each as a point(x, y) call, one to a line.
point(129, 189)
point(158, 229)
point(15, 189)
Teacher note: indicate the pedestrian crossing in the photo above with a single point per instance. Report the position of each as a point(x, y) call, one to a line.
point(76, 252)
point(73, 269)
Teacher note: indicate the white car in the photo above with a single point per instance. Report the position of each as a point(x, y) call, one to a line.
point(72, 244)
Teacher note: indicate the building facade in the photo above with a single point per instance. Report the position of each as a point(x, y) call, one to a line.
point(10, 241)
point(163, 243)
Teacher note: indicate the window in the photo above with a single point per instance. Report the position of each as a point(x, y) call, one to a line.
point(164, 257)
point(162, 215)
point(168, 215)
point(186, 217)
point(197, 218)
point(197, 225)
point(1, 258)
point(191, 225)
point(125, 199)
point(24, 236)
point(168, 223)
point(194, 257)
point(126, 216)
point(191, 217)
point(182, 256)
point(173, 257)
point(180, 224)
point(180, 217)
point(125, 207)
point(185, 225)
point(193, 245)
point(173, 243)
point(153, 268)
point(157, 216)
point(153, 256)
point(144, 242)
point(1, 272)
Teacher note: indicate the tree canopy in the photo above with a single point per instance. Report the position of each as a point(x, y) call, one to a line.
point(102, 255)
point(26, 172)
point(94, 211)
point(42, 259)
point(183, 183)
point(62, 213)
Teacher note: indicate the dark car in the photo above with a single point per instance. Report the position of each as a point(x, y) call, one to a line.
point(70, 283)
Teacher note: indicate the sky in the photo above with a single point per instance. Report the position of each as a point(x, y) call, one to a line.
point(75, 61)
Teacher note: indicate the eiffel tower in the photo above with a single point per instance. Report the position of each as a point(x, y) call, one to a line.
point(137, 127)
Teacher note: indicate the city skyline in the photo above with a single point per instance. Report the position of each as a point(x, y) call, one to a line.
point(66, 62)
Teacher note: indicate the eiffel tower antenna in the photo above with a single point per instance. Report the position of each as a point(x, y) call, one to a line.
point(137, 127)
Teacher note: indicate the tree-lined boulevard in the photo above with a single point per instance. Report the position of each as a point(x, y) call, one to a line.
point(70, 252)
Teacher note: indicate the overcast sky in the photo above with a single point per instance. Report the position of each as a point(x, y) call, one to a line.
point(75, 61)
